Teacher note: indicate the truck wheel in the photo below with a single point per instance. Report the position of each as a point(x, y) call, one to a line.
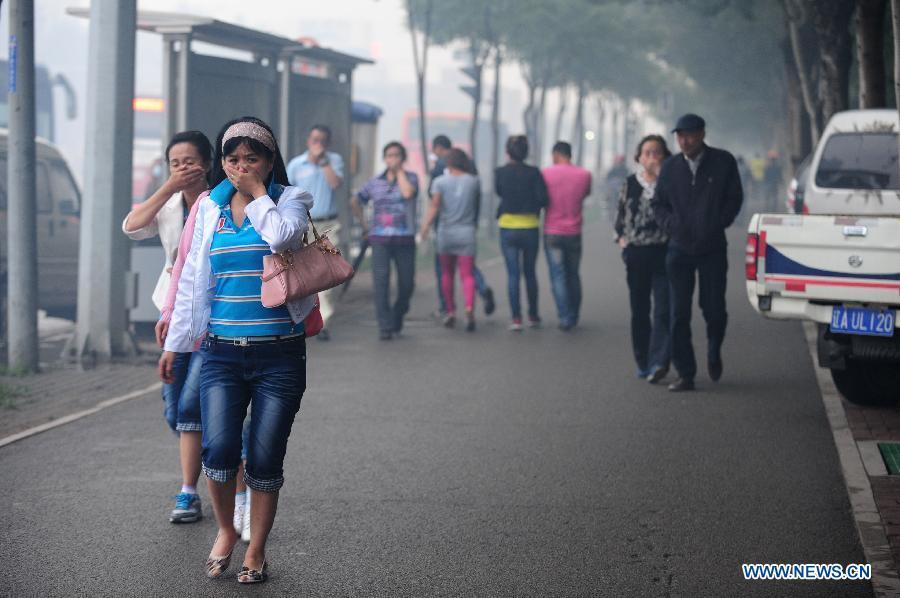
point(869, 383)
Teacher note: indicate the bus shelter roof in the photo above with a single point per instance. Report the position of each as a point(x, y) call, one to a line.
point(228, 35)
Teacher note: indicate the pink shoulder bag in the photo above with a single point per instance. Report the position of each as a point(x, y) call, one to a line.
point(294, 274)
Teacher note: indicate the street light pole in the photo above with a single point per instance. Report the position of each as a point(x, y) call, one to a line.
point(104, 257)
point(22, 281)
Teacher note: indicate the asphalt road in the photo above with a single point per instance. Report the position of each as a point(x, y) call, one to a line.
point(486, 464)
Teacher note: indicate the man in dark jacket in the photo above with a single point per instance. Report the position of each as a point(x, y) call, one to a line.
point(697, 197)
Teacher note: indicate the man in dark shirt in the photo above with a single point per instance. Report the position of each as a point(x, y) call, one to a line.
point(697, 197)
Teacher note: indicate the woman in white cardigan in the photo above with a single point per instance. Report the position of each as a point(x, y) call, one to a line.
point(253, 356)
point(189, 157)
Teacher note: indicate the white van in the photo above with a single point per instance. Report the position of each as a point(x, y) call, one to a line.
point(58, 223)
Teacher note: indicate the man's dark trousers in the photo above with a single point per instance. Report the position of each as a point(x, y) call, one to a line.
point(390, 318)
point(712, 271)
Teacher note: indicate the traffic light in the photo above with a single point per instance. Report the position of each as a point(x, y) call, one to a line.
point(473, 91)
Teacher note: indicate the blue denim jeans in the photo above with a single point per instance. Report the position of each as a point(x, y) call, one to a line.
point(520, 250)
point(563, 259)
point(270, 379)
point(182, 398)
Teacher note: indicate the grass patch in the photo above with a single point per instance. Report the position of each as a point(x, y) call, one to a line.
point(8, 396)
point(16, 372)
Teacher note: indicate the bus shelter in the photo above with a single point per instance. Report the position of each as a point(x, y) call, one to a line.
point(289, 84)
point(214, 71)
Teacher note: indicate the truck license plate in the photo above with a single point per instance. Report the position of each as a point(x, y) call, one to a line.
point(859, 320)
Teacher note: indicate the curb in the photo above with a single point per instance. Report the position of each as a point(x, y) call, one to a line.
point(61, 421)
point(885, 579)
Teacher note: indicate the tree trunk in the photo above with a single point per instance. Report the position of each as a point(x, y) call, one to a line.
point(895, 12)
point(601, 130)
point(528, 113)
point(798, 138)
point(830, 19)
point(476, 110)
point(870, 52)
point(561, 112)
point(895, 19)
point(614, 130)
point(421, 63)
point(539, 126)
point(495, 141)
point(802, 70)
point(578, 128)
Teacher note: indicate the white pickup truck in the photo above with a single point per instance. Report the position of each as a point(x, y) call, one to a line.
point(838, 264)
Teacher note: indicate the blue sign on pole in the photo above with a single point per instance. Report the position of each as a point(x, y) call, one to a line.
point(12, 63)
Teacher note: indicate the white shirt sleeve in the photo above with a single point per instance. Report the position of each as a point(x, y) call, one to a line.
point(282, 225)
point(149, 231)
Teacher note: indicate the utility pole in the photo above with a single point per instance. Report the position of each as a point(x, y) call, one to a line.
point(104, 256)
point(22, 282)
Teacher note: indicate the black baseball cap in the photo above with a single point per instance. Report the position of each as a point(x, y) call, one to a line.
point(689, 122)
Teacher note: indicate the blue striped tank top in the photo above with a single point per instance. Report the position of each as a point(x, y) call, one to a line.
point(236, 259)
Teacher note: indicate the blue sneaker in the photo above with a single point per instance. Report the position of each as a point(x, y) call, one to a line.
point(187, 509)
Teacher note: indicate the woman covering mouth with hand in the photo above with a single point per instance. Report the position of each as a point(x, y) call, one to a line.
point(252, 355)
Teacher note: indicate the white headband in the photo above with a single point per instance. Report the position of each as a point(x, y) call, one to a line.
point(251, 130)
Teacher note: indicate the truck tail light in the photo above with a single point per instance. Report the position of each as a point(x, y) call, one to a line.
point(751, 255)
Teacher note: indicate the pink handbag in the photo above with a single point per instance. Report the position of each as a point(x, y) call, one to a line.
point(292, 275)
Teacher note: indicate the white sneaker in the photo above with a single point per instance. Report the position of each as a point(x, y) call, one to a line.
point(239, 508)
point(245, 533)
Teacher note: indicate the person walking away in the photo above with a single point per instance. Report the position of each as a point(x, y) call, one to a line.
point(643, 244)
point(568, 186)
point(253, 355)
point(455, 203)
point(392, 233)
point(698, 196)
point(189, 157)
point(523, 194)
point(321, 172)
point(441, 147)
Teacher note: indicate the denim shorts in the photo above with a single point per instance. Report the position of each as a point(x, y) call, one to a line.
point(269, 379)
point(182, 397)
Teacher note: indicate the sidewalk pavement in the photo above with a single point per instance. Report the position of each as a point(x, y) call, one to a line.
point(62, 389)
point(870, 426)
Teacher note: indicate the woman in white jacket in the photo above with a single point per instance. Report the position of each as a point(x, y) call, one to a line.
point(252, 355)
point(189, 156)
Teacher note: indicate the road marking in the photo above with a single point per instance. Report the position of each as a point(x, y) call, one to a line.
point(61, 421)
point(885, 580)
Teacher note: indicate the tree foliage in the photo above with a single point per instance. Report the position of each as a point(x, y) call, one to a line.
point(724, 59)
